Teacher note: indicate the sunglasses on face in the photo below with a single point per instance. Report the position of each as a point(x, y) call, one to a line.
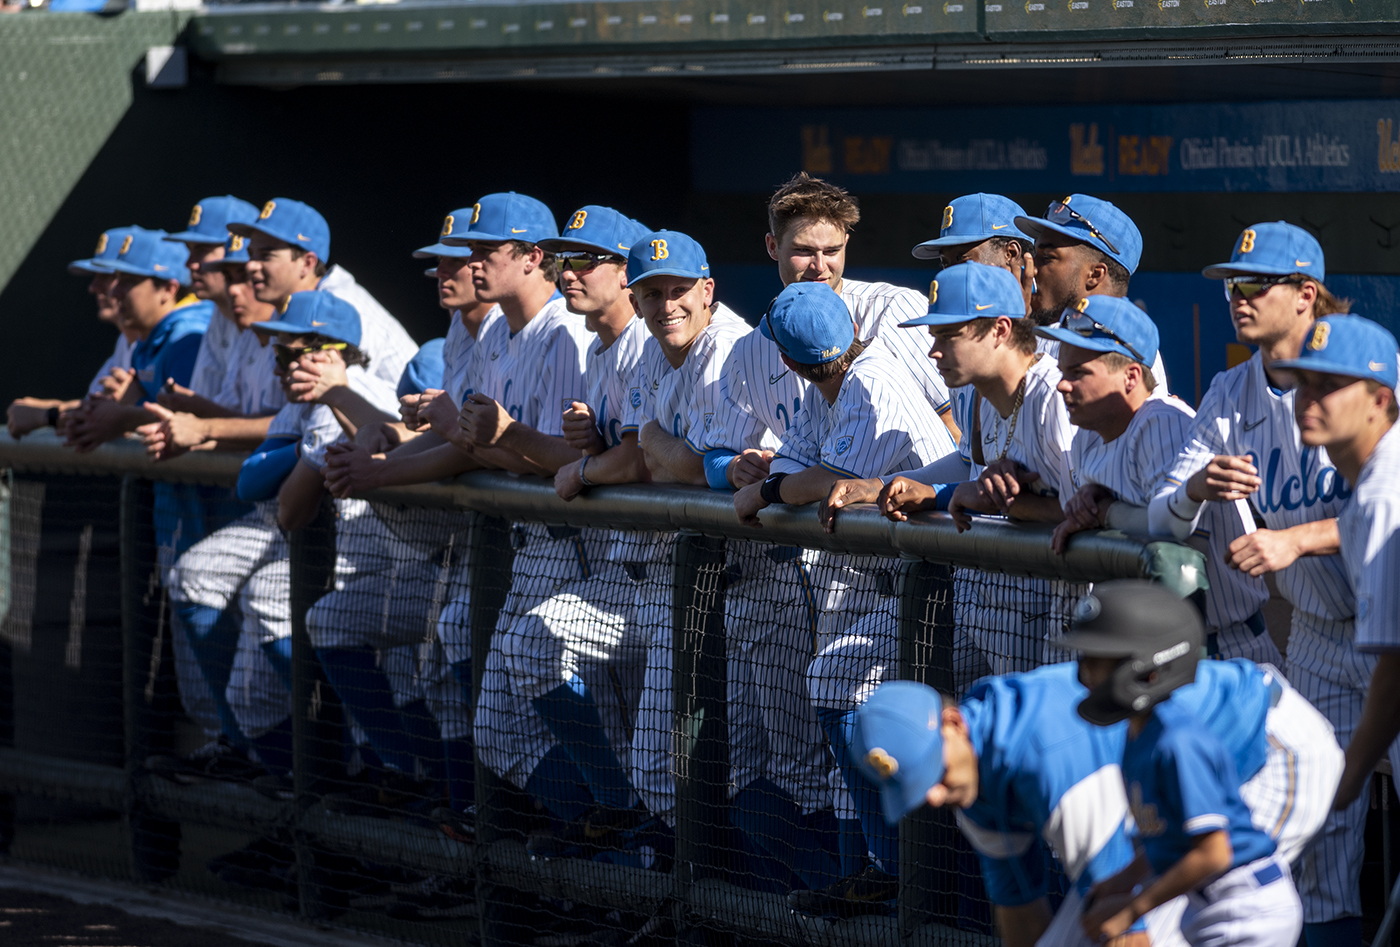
point(1250, 286)
point(1061, 213)
point(287, 354)
point(1083, 325)
point(582, 262)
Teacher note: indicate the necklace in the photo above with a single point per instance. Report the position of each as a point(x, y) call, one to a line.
point(1015, 415)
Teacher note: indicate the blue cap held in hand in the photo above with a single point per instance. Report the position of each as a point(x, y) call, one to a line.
point(210, 218)
point(1272, 249)
point(973, 218)
point(969, 291)
point(666, 253)
point(424, 370)
point(597, 229)
point(316, 312)
point(1107, 324)
point(1093, 221)
point(898, 744)
point(1350, 346)
point(108, 245)
point(810, 323)
point(503, 216)
point(147, 253)
point(294, 223)
point(453, 225)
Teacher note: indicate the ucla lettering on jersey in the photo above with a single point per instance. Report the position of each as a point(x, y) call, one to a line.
point(1319, 483)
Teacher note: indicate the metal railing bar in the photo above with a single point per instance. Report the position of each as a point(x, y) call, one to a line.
point(51, 777)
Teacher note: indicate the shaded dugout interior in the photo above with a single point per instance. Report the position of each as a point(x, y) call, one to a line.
point(384, 163)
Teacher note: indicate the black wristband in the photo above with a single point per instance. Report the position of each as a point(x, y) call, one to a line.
point(53, 416)
point(769, 492)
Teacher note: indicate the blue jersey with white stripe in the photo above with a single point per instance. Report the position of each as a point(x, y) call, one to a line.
point(1182, 784)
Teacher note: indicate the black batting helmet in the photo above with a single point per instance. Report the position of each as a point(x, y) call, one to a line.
point(1155, 633)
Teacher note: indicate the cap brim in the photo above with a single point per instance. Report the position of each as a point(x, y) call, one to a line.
point(120, 267)
point(1226, 270)
point(441, 249)
point(247, 230)
point(1037, 227)
point(273, 326)
point(472, 236)
point(1070, 337)
point(687, 274)
point(89, 268)
point(1327, 367)
point(564, 245)
point(928, 250)
point(953, 319)
point(191, 236)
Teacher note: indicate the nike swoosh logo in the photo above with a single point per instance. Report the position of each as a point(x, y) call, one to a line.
point(302, 236)
point(1248, 426)
point(519, 230)
point(495, 355)
point(774, 379)
point(1302, 262)
point(1000, 226)
point(317, 324)
point(988, 306)
point(1376, 366)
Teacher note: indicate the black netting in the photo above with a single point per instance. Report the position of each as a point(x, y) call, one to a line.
point(438, 724)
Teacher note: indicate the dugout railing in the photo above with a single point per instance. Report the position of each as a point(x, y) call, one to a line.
point(923, 553)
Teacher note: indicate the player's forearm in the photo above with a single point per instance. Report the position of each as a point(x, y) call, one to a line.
point(1318, 538)
point(670, 452)
point(1128, 518)
point(236, 433)
point(1033, 508)
point(807, 486)
point(202, 407)
point(300, 496)
point(1380, 721)
point(1172, 514)
point(417, 444)
point(622, 463)
point(545, 451)
point(424, 466)
point(1210, 858)
point(1024, 924)
point(353, 407)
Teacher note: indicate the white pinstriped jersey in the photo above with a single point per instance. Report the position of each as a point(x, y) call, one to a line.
point(1041, 441)
point(456, 353)
point(251, 386)
point(1370, 534)
point(120, 358)
point(872, 428)
point(391, 347)
point(1133, 466)
point(1242, 415)
point(610, 375)
point(535, 373)
point(665, 394)
point(315, 424)
point(878, 309)
point(211, 365)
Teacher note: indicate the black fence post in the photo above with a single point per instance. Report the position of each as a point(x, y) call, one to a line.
point(7, 668)
point(317, 737)
point(928, 876)
point(700, 678)
point(150, 727)
point(489, 559)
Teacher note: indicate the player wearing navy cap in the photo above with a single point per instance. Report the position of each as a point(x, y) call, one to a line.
point(289, 247)
point(1345, 402)
point(28, 413)
point(1193, 833)
point(1245, 446)
point(856, 421)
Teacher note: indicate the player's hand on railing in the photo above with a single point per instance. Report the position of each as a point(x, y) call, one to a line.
point(902, 496)
point(842, 494)
point(567, 482)
point(1226, 477)
point(1087, 509)
point(380, 438)
point(1003, 479)
point(483, 421)
point(411, 404)
point(750, 466)
point(350, 469)
point(969, 498)
point(114, 385)
point(25, 415)
point(177, 397)
point(747, 503)
point(93, 424)
point(1264, 550)
point(580, 429)
point(313, 374)
point(172, 433)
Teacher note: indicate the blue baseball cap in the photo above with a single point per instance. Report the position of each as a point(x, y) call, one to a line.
point(292, 222)
point(148, 253)
point(1272, 249)
point(108, 245)
point(666, 253)
point(810, 323)
point(597, 228)
point(967, 291)
point(973, 218)
point(503, 216)
point(210, 218)
point(1350, 346)
point(316, 312)
point(1107, 324)
point(1093, 221)
point(235, 253)
point(898, 744)
point(453, 225)
point(424, 370)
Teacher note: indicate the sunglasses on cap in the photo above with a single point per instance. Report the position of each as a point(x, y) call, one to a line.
point(1250, 286)
point(582, 262)
point(287, 354)
point(1081, 324)
point(1061, 213)
point(771, 333)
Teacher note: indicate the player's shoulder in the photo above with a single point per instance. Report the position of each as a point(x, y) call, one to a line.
point(1157, 417)
point(875, 291)
point(1379, 482)
point(877, 369)
point(1226, 387)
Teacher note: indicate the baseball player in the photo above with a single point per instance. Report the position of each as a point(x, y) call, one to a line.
point(855, 421)
point(1193, 833)
point(1345, 402)
point(980, 228)
point(29, 414)
point(1245, 445)
point(989, 758)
